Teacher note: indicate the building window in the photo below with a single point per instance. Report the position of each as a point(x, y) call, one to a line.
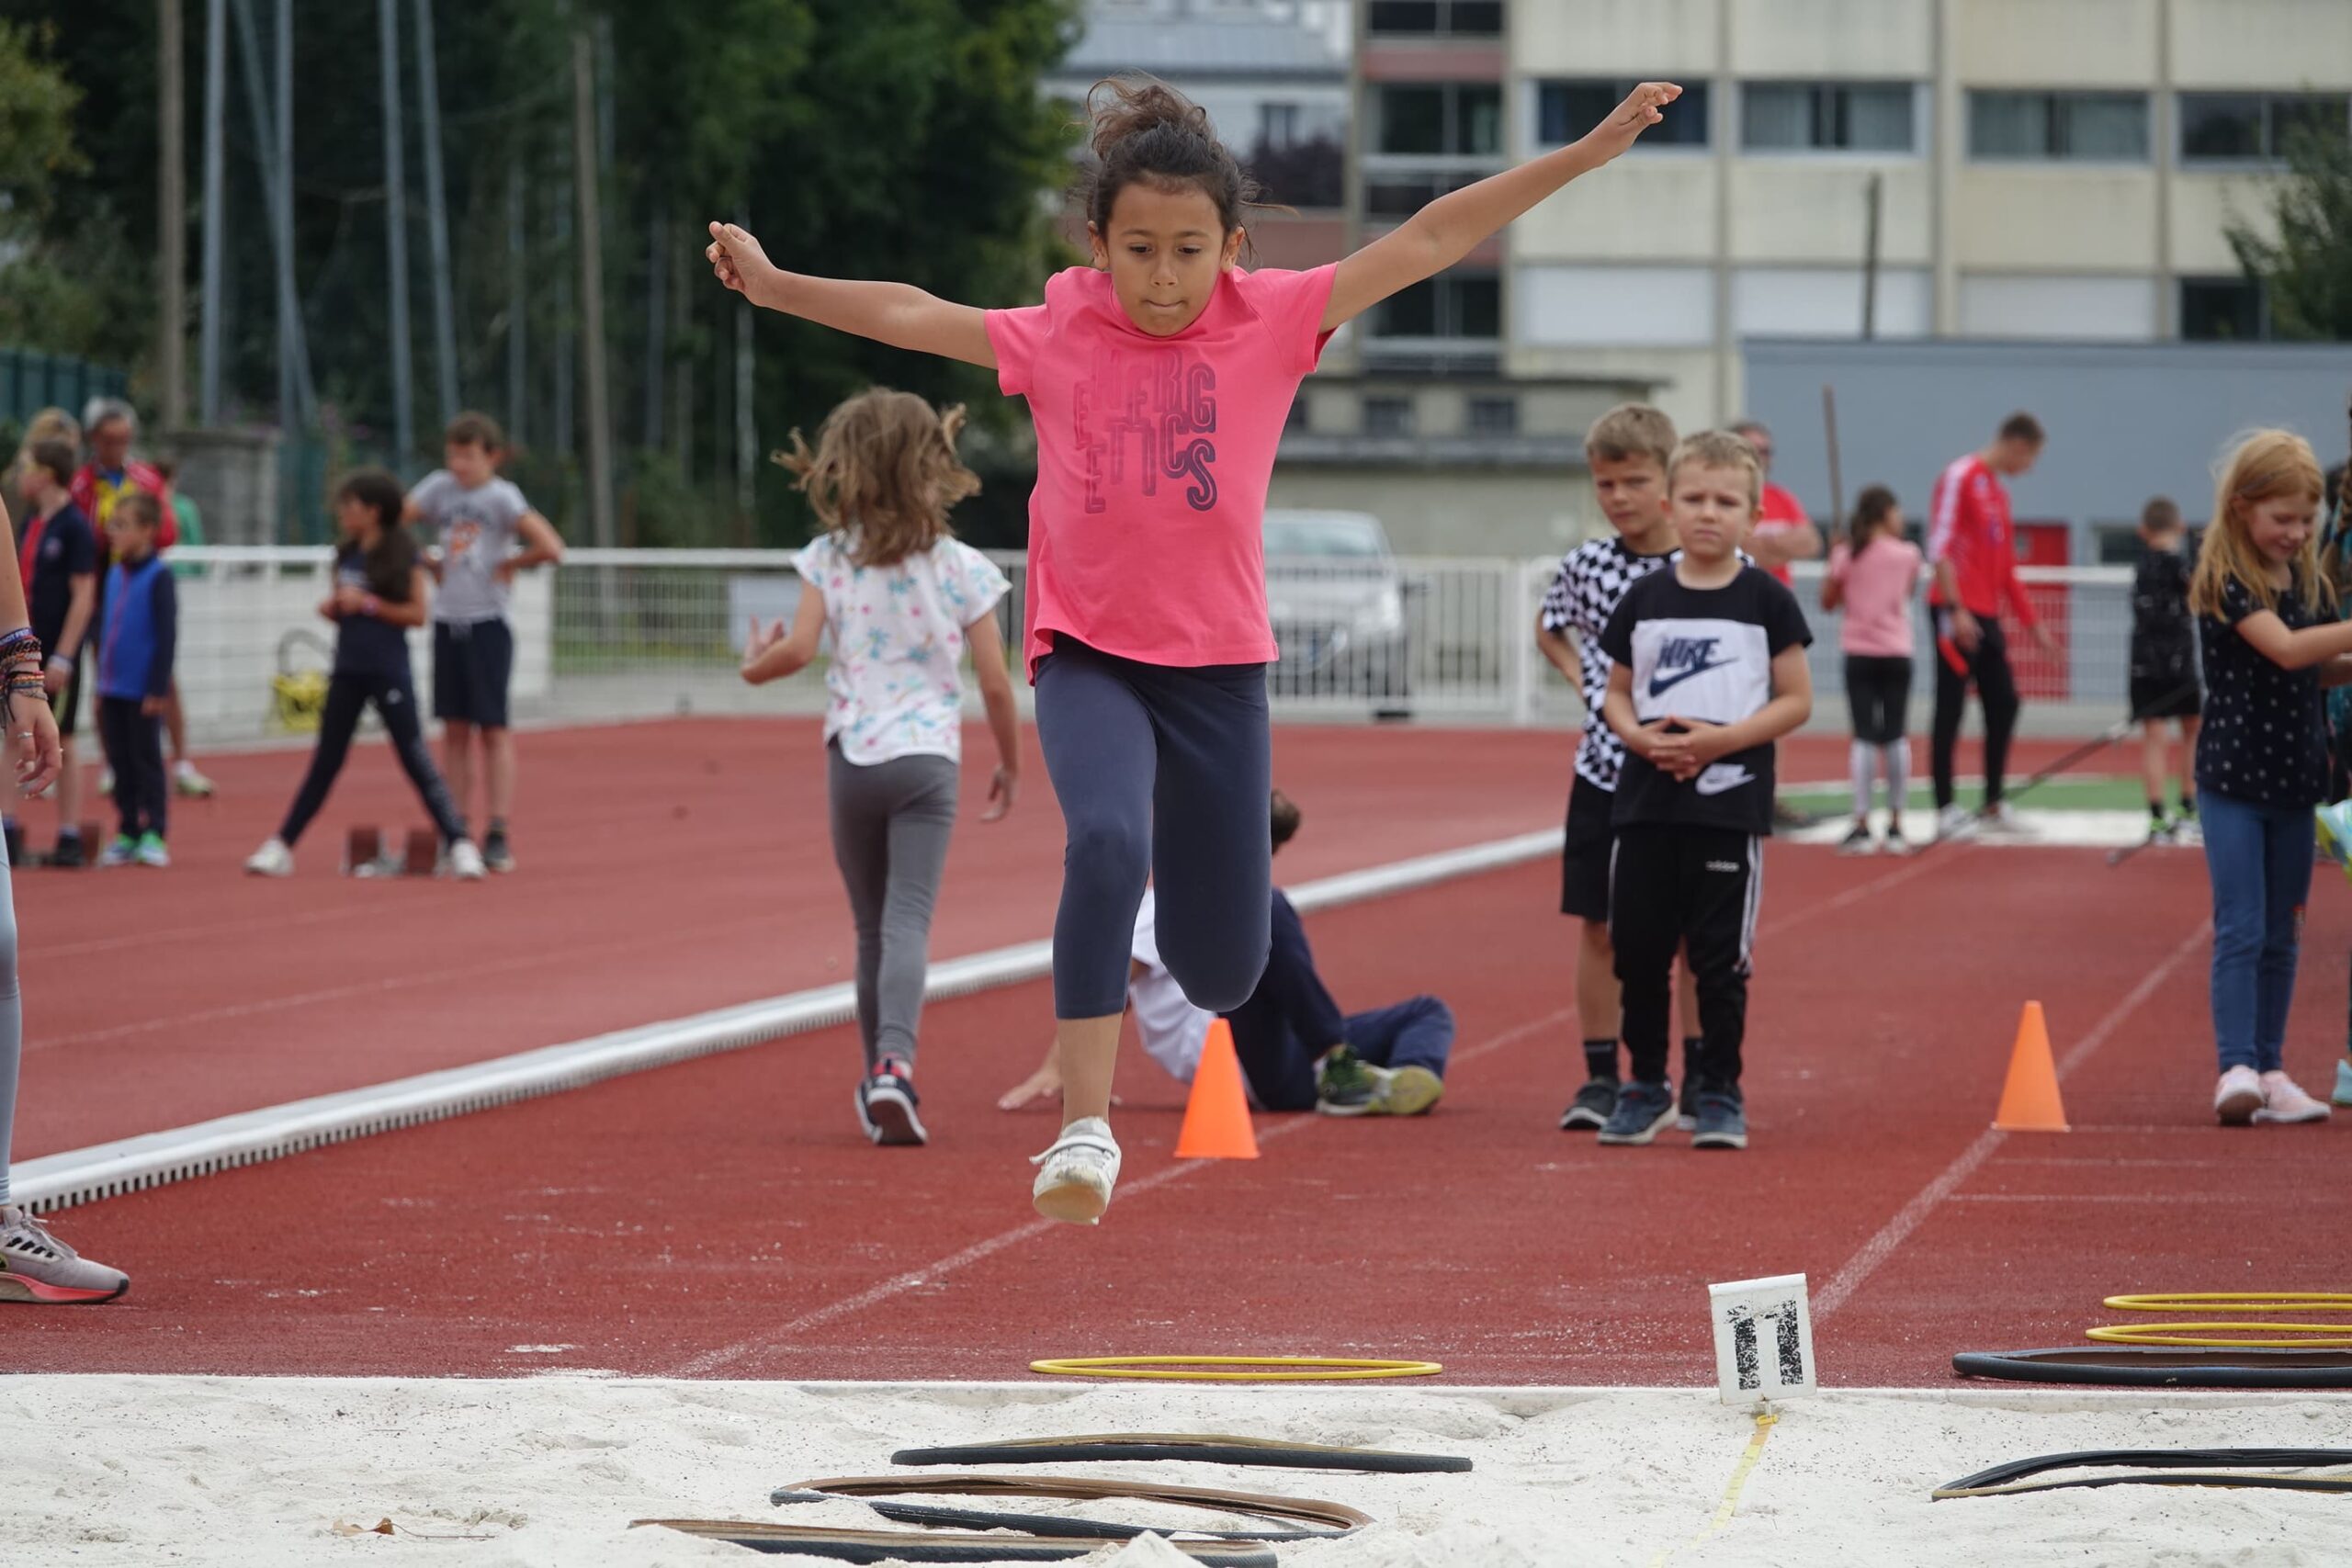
point(1278, 125)
point(2223, 309)
point(2251, 128)
point(2110, 128)
point(1446, 306)
point(1825, 115)
point(1402, 194)
point(1494, 416)
point(1388, 416)
point(1441, 119)
point(1439, 18)
point(1565, 110)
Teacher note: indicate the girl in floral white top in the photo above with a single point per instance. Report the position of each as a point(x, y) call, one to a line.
point(904, 600)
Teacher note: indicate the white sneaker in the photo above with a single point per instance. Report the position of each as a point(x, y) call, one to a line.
point(1955, 821)
point(273, 859)
point(2283, 1100)
point(2343, 1095)
point(1079, 1171)
point(2001, 817)
point(465, 861)
point(189, 783)
point(37, 1266)
point(2238, 1096)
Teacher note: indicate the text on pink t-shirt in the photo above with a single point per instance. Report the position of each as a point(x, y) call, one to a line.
point(1147, 528)
point(1878, 584)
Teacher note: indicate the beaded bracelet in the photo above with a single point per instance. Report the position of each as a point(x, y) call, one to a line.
point(19, 644)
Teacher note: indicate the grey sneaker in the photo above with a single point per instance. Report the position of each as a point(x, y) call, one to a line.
point(1595, 1103)
point(1344, 1086)
point(1079, 1171)
point(1723, 1120)
point(1643, 1110)
point(37, 1266)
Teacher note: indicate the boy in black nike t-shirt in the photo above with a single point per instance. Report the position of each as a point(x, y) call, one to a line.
point(1709, 671)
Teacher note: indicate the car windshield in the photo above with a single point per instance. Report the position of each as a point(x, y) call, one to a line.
point(1339, 538)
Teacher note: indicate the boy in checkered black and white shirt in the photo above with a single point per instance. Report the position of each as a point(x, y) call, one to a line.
point(1627, 450)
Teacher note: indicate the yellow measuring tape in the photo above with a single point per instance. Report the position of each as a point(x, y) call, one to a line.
point(2231, 1336)
point(1265, 1369)
point(1764, 1423)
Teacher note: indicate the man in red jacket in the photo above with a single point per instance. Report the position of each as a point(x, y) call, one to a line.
point(1973, 551)
point(109, 425)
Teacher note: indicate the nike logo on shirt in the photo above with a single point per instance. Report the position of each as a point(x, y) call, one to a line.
point(1692, 655)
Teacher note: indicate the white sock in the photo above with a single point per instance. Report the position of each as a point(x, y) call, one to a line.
point(1859, 755)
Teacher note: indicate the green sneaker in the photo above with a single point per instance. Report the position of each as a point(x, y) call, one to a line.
point(123, 851)
point(152, 851)
point(1344, 1086)
point(2333, 825)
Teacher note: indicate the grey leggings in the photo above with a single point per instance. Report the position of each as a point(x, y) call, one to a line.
point(12, 1021)
point(891, 821)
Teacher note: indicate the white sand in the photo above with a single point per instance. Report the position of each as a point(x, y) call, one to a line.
point(549, 1471)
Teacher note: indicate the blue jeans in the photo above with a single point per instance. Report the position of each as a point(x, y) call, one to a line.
point(1281, 1066)
point(2259, 858)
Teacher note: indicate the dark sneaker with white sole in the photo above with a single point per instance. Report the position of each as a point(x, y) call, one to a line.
point(885, 1105)
point(1722, 1122)
point(1595, 1103)
point(1643, 1110)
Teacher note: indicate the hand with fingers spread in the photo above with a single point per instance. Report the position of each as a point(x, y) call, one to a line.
point(1643, 107)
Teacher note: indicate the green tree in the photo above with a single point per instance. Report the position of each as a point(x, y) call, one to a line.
point(37, 102)
point(2307, 267)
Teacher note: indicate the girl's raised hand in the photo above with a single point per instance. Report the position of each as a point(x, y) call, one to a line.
point(1643, 107)
point(738, 260)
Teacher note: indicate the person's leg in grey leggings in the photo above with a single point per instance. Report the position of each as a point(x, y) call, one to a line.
point(891, 822)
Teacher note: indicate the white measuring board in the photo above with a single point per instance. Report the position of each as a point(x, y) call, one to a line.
point(1763, 1338)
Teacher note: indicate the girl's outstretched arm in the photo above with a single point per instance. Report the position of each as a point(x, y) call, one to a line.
point(896, 313)
point(1454, 225)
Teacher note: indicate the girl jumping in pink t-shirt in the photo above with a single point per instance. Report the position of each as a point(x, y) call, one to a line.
point(1159, 380)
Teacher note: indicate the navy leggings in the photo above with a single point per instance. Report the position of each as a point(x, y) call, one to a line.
point(1161, 772)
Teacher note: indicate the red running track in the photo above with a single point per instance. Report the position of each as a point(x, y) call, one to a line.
point(668, 868)
point(722, 1217)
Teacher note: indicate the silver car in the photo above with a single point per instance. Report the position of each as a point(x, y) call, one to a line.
point(1339, 603)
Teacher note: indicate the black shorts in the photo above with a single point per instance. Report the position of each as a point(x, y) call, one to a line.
point(2166, 696)
point(1877, 693)
point(472, 664)
point(1584, 857)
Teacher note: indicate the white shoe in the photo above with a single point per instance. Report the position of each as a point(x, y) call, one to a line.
point(465, 861)
point(1955, 821)
point(2238, 1096)
point(273, 859)
point(2343, 1095)
point(2001, 817)
point(1079, 1171)
point(2283, 1100)
point(189, 783)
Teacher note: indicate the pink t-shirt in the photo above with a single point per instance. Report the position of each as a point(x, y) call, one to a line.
point(1878, 587)
point(1146, 529)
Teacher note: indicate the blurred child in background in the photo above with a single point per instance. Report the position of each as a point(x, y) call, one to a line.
point(59, 562)
point(136, 648)
point(2164, 668)
point(1873, 575)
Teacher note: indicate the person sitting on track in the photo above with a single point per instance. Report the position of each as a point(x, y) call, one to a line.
point(1298, 1051)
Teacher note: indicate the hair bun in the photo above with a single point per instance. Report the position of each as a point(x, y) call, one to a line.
point(1125, 107)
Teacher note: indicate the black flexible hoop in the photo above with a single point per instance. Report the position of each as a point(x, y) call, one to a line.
point(1206, 1447)
point(915, 1546)
point(2123, 1366)
point(2009, 1479)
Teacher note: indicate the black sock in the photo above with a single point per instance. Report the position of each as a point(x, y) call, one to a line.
point(2156, 811)
point(498, 826)
point(2188, 806)
point(1600, 1060)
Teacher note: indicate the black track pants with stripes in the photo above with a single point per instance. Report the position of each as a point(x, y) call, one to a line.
point(1673, 886)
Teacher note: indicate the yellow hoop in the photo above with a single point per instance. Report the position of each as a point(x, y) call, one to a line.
point(1304, 1369)
point(2233, 1335)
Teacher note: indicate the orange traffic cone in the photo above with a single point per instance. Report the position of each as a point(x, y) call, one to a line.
point(1216, 1118)
point(2030, 1100)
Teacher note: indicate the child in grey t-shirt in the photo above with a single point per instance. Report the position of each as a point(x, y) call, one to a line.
point(478, 519)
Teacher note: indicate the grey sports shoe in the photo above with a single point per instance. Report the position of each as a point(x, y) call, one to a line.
point(1595, 1103)
point(1643, 1110)
point(1722, 1122)
point(37, 1266)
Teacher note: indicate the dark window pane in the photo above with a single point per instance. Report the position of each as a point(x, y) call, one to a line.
point(1388, 416)
point(1877, 118)
point(1494, 416)
point(1477, 19)
point(2109, 127)
point(1479, 122)
point(1776, 115)
point(1412, 120)
point(2322, 115)
point(2221, 125)
point(1411, 311)
point(2214, 308)
point(2008, 124)
point(1301, 173)
point(1404, 16)
point(1565, 110)
point(1477, 308)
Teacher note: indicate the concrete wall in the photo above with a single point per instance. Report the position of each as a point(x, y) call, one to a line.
point(2126, 421)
